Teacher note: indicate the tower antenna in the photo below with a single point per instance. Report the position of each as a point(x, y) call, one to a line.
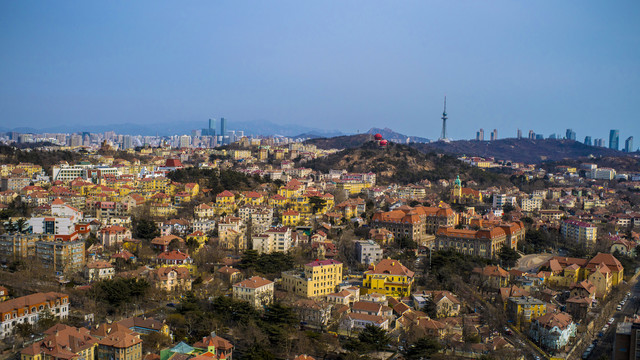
point(443, 136)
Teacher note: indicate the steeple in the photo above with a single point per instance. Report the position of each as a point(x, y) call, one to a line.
point(443, 136)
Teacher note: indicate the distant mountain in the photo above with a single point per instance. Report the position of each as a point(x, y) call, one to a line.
point(393, 136)
point(264, 128)
point(519, 150)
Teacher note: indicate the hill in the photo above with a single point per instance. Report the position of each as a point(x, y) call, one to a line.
point(520, 150)
point(403, 164)
point(340, 142)
point(397, 137)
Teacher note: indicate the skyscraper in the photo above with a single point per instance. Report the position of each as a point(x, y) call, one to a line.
point(532, 135)
point(587, 140)
point(480, 135)
point(519, 134)
point(571, 135)
point(223, 130)
point(628, 144)
point(614, 139)
point(494, 135)
point(443, 135)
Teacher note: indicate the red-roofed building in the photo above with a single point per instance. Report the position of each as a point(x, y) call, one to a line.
point(388, 277)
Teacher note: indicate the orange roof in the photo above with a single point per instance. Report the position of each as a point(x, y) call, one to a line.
point(225, 193)
point(253, 283)
point(390, 267)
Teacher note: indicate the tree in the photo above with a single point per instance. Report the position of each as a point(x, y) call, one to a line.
point(145, 229)
point(423, 348)
point(508, 256)
point(374, 338)
point(430, 308)
point(317, 203)
point(46, 319)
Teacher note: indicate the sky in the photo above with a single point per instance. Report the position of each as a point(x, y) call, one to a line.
point(335, 65)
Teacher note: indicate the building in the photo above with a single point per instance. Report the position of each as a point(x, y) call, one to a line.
point(27, 309)
point(628, 144)
point(62, 342)
point(120, 345)
point(485, 242)
point(171, 278)
point(317, 279)
point(602, 173)
point(61, 256)
point(388, 277)
point(614, 139)
point(273, 240)
point(522, 310)
point(494, 135)
point(113, 235)
point(530, 204)
point(219, 347)
point(553, 331)
point(500, 200)
point(99, 270)
point(571, 135)
point(626, 343)
point(257, 291)
point(579, 232)
point(368, 252)
point(462, 195)
point(313, 314)
point(480, 135)
point(588, 141)
point(19, 246)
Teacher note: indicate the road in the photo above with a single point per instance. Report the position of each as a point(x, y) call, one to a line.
point(605, 343)
point(531, 262)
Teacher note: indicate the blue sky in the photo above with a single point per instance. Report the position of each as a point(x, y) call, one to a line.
point(344, 65)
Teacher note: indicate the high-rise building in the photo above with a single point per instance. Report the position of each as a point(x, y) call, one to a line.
point(587, 141)
point(211, 130)
point(223, 127)
point(614, 139)
point(480, 135)
point(532, 135)
point(539, 137)
point(127, 143)
point(519, 134)
point(552, 137)
point(599, 142)
point(494, 135)
point(571, 135)
point(185, 141)
point(628, 144)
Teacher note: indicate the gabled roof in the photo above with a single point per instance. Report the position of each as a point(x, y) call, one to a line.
point(253, 283)
point(390, 267)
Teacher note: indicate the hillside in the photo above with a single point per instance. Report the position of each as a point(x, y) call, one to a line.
point(520, 150)
point(340, 142)
point(403, 164)
point(397, 137)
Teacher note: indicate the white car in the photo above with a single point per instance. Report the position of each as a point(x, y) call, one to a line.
point(611, 320)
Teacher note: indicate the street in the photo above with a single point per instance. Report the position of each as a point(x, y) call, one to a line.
point(604, 346)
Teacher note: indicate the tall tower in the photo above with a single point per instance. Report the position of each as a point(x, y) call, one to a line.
point(443, 136)
point(614, 139)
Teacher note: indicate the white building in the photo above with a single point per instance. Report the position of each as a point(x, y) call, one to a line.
point(530, 205)
point(27, 309)
point(99, 270)
point(273, 240)
point(500, 200)
point(603, 174)
point(368, 252)
point(257, 291)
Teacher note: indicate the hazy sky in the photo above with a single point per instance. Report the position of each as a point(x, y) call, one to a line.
point(344, 65)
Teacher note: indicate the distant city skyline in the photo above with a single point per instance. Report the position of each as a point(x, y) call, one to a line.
point(503, 65)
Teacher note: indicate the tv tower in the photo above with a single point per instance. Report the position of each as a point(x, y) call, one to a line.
point(443, 136)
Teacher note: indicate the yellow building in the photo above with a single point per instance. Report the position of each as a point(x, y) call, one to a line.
point(278, 201)
point(290, 218)
point(225, 203)
point(521, 310)
point(198, 236)
point(388, 277)
point(253, 198)
point(318, 278)
point(353, 187)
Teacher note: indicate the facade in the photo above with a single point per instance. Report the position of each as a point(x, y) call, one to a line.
point(388, 277)
point(614, 139)
point(317, 279)
point(273, 240)
point(257, 291)
point(171, 278)
point(522, 310)
point(61, 256)
point(19, 246)
point(580, 232)
point(98, 270)
point(368, 252)
point(402, 222)
point(484, 242)
point(28, 309)
point(531, 204)
point(313, 314)
point(553, 331)
point(120, 345)
point(113, 235)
